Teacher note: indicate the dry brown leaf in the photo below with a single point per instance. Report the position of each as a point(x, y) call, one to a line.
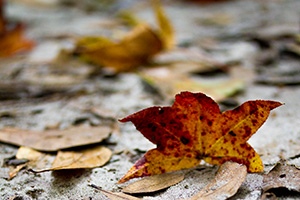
point(154, 183)
point(89, 158)
point(37, 160)
point(119, 196)
point(28, 153)
point(282, 176)
point(14, 171)
point(115, 195)
point(53, 140)
point(84, 159)
point(228, 180)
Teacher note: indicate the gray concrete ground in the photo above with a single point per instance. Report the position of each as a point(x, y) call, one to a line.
point(195, 26)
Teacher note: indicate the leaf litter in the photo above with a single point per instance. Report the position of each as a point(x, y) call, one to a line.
point(83, 79)
point(38, 162)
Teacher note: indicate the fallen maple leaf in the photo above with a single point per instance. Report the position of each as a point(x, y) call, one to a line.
point(194, 129)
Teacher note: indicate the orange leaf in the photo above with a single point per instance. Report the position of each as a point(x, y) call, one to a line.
point(2, 21)
point(194, 129)
point(11, 40)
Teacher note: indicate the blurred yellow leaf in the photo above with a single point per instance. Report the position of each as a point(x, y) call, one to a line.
point(166, 30)
point(135, 49)
point(168, 80)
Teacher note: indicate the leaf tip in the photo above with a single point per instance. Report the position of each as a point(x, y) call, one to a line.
point(125, 119)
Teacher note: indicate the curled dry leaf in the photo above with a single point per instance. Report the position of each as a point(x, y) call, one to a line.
point(135, 49)
point(228, 180)
point(153, 183)
point(84, 159)
point(36, 160)
point(53, 140)
point(119, 196)
point(115, 195)
point(194, 128)
point(14, 171)
point(282, 176)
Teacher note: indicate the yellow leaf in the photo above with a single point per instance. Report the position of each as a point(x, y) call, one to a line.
point(133, 50)
point(166, 31)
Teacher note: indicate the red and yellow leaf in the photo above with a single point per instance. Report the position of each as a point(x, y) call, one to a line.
point(194, 129)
